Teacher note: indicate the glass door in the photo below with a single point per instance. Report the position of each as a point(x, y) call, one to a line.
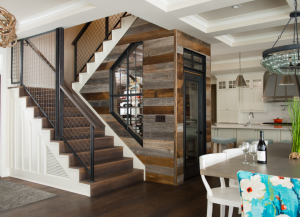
point(194, 122)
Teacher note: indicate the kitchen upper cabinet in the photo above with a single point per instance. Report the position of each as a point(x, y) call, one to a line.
point(251, 96)
point(228, 116)
point(221, 100)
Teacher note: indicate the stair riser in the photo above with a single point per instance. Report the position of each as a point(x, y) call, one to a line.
point(38, 112)
point(109, 186)
point(46, 123)
point(103, 142)
point(105, 154)
point(105, 169)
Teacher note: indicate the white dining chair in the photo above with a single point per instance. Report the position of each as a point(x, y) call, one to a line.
point(225, 196)
point(231, 153)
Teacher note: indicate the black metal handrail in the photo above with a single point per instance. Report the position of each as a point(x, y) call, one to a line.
point(41, 73)
point(106, 31)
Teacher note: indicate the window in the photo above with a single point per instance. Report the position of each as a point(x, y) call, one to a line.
point(127, 90)
point(194, 60)
point(257, 83)
point(222, 85)
point(232, 84)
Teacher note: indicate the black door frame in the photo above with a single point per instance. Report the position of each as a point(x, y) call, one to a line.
point(196, 73)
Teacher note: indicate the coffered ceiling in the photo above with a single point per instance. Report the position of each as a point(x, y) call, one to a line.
point(249, 29)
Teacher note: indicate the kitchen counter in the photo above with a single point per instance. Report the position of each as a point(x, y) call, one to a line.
point(253, 126)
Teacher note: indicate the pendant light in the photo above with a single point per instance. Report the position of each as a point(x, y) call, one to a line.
point(8, 37)
point(240, 81)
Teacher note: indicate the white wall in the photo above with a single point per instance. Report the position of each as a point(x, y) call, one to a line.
point(69, 35)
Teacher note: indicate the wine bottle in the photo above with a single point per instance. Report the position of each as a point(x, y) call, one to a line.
point(261, 150)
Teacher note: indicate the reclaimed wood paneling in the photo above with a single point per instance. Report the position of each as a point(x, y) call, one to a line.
point(158, 85)
point(96, 96)
point(164, 58)
point(164, 110)
point(146, 36)
point(158, 93)
point(164, 179)
point(157, 161)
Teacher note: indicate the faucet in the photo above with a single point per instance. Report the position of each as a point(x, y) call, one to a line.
point(249, 123)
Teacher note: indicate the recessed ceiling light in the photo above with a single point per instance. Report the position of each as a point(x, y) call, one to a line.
point(236, 6)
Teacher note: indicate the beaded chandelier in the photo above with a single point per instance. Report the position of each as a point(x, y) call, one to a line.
point(284, 60)
point(8, 35)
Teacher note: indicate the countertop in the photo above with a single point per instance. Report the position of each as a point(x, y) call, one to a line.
point(253, 126)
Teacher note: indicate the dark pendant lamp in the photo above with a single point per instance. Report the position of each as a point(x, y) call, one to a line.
point(286, 80)
point(240, 81)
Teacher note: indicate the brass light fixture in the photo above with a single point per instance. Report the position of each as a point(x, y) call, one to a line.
point(286, 80)
point(8, 35)
point(240, 81)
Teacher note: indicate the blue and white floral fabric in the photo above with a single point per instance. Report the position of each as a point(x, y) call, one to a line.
point(268, 196)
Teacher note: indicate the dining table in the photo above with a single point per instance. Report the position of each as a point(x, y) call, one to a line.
point(278, 164)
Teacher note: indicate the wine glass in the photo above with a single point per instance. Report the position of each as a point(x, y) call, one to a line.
point(253, 152)
point(245, 149)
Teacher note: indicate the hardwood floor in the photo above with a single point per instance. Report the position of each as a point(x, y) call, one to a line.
point(144, 199)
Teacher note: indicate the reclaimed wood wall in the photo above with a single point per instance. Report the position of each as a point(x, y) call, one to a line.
point(157, 152)
point(183, 40)
point(162, 151)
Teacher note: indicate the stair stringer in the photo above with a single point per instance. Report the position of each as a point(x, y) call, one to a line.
point(91, 69)
point(40, 176)
point(117, 34)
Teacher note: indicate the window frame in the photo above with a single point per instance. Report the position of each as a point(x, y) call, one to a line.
point(125, 54)
point(193, 53)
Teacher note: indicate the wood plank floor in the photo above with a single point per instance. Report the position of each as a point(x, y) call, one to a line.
point(144, 199)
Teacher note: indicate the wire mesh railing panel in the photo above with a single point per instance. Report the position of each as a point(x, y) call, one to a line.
point(113, 20)
point(89, 42)
point(76, 131)
point(16, 63)
point(92, 38)
point(39, 73)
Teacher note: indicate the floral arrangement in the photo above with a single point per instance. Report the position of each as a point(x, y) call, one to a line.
point(265, 195)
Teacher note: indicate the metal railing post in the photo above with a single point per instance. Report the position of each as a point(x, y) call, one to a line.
point(106, 27)
point(92, 152)
point(21, 62)
point(75, 61)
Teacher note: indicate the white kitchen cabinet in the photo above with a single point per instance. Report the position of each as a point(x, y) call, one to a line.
point(251, 96)
point(270, 134)
point(246, 99)
point(285, 135)
point(225, 133)
point(221, 102)
point(244, 134)
point(232, 100)
point(258, 103)
point(228, 116)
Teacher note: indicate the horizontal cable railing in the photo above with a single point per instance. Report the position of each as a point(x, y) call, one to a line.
point(38, 65)
point(90, 39)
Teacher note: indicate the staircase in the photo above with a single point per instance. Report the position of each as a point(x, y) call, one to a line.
point(112, 170)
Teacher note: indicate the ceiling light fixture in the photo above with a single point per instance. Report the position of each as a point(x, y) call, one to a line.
point(236, 6)
point(7, 29)
point(284, 59)
point(240, 81)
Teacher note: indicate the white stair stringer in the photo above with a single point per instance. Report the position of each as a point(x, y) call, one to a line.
point(117, 34)
point(91, 68)
point(28, 150)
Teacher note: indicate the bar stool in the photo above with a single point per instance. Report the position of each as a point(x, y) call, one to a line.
point(222, 141)
point(270, 141)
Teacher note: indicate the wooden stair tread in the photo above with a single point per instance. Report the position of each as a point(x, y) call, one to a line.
point(112, 176)
point(107, 161)
point(98, 150)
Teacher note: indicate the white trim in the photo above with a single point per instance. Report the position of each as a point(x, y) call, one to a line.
point(259, 17)
point(167, 5)
point(52, 13)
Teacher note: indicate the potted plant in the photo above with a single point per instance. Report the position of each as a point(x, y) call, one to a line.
point(294, 118)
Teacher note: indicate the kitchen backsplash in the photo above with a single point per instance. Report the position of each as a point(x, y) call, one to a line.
point(273, 111)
